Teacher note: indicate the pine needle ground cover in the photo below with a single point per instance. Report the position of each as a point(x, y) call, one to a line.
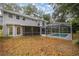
point(37, 46)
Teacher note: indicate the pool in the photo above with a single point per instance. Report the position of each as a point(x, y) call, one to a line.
point(66, 36)
point(59, 34)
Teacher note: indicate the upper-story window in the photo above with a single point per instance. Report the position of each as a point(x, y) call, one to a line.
point(10, 15)
point(24, 18)
point(43, 23)
point(5, 12)
point(17, 17)
point(38, 24)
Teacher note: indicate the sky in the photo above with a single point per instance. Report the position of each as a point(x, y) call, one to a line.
point(42, 6)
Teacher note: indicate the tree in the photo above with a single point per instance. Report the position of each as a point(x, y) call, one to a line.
point(12, 7)
point(46, 17)
point(66, 11)
point(40, 13)
point(7, 6)
point(59, 13)
point(30, 9)
point(17, 8)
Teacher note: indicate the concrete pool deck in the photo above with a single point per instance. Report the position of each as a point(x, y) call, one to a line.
point(68, 37)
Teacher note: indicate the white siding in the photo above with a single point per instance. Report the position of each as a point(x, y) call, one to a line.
point(14, 21)
point(1, 20)
point(0, 12)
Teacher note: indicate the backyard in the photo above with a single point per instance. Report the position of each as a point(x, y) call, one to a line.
point(0, 31)
point(31, 20)
point(37, 46)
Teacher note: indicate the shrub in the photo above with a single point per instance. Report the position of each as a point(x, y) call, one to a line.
point(76, 41)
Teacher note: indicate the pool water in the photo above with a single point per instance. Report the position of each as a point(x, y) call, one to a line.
point(66, 36)
point(59, 34)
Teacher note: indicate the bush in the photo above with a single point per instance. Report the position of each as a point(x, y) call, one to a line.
point(76, 41)
point(77, 31)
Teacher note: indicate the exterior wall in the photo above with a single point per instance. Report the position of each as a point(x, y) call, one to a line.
point(14, 30)
point(26, 22)
point(5, 30)
point(1, 5)
point(5, 21)
point(1, 20)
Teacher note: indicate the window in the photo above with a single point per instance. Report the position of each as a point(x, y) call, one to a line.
point(38, 24)
point(10, 15)
point(17, 17)
point(24, 18)
point(18, 30)
point(5, 12)
point(43, 23)
point(10, 30)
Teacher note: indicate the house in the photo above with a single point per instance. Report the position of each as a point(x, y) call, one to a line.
point(16, 24)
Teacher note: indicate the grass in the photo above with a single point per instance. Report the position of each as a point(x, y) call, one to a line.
point(76, 39)
point(0, 33)
point(37, 46)
point(75, 36)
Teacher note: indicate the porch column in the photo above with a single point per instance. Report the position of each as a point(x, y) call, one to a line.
point(5, 30)
point(40, 30)
point(59, 28)
point(51, 29)
point(32, 30)
point(14, 30)
point(71, 32)
point(45, 30)
point(21, 30)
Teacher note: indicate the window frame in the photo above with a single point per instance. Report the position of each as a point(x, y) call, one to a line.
point(43, 23)
point(10, 15)
point(17, 17)
point(10, 29)
point(18, 30)
point(24, 18)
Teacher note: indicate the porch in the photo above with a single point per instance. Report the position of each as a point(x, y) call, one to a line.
point(17, 30)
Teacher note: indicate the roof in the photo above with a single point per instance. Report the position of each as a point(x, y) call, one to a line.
point(27, 16)
point(59, 23)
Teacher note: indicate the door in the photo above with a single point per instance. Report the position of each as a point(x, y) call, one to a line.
point(10, 30)
point(18, 30)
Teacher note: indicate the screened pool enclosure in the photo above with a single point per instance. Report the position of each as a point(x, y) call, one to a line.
point(58, 30)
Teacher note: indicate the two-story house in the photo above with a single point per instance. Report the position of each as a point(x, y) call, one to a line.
point(16, 24)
